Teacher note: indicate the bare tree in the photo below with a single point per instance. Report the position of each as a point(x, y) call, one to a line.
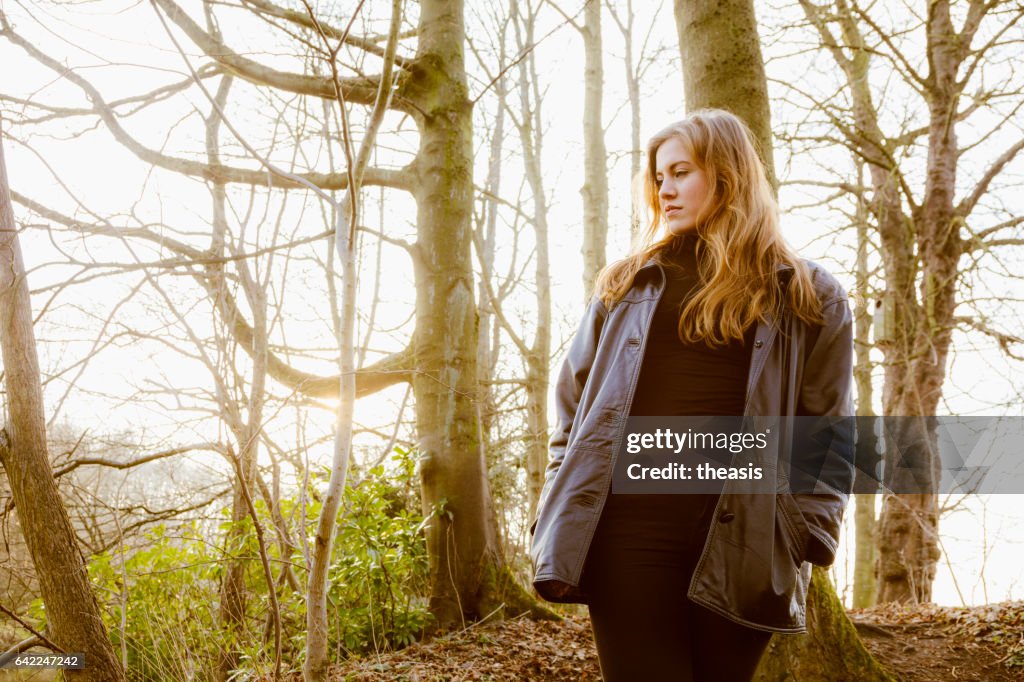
point(470, 579)
point(469, 576)
point(347, 219)
point(636, 60)
point(486, 240)
point(931, 235)
point(73, 614)
point(595, 154)
point(864, 584)
point(528, 121)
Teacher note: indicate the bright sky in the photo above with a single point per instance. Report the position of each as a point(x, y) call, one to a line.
point(117, 38)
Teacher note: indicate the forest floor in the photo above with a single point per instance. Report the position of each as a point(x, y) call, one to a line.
point(923, 643)
point(929, 642)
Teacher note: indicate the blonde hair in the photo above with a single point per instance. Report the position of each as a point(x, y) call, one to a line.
point(741, 245)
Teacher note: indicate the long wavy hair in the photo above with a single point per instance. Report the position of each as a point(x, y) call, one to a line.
point(740, 245)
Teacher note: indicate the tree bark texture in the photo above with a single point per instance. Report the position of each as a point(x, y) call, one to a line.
point(723, 67)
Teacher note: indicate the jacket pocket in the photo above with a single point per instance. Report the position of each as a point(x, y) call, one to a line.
point(566, 516)
point(793, 521)
point(596, 433)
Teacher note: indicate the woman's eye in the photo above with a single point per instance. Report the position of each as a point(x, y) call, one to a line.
point(680, 173)
point(657, 183)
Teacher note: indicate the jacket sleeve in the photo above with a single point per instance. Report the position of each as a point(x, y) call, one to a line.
point(827, 391)
point(569, 387)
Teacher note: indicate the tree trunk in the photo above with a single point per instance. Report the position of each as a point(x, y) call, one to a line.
point(233, 594)
point(831, 649)
point(632, 73)
point(864, 581)
point(538, 355)
point(920, 245)
point(346, 222)
point(595, 156)
point(722, 66)
point(487, 342)
point(73, 615)
point(909, 549)
point(468, 575)
point(231, 613)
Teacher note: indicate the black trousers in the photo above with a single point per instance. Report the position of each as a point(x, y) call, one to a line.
point(637, 572)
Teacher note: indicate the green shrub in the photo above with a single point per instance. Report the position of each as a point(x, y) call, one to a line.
point(376, 599)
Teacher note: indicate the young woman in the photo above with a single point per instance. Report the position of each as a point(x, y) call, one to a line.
point(713, 314)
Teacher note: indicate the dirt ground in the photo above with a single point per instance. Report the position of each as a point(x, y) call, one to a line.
point(928, 642)
point(925, 643)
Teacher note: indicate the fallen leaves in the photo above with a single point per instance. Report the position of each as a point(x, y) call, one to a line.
point(516, 649)
point(921, 643)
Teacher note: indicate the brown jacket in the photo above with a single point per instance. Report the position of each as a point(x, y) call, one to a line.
point(755, 566)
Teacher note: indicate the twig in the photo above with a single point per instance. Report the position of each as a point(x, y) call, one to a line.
point(41, 636)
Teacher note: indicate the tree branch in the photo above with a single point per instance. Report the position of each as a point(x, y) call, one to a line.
point(302, 19)
point(362, 90)
point(977, 240)
point(143, 100)
point(114, 464)
point(397, 179)
point(387, 371)
point(887, 39)
point(21, 647)
point(965, 207)
point(974, 18)
point(35, 633)
point(1003, 339)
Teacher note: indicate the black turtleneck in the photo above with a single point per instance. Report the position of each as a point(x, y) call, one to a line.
point(678, 378)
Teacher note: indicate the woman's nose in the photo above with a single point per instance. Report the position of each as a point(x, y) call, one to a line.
point(666, 189)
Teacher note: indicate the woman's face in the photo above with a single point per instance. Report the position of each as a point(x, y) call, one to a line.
point(682, 186)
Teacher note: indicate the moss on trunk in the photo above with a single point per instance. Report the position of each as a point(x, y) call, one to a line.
point(468, 578)
point(831, 649)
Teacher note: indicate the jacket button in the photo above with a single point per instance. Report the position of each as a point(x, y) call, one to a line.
point(726, 517)
point(758, 343)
